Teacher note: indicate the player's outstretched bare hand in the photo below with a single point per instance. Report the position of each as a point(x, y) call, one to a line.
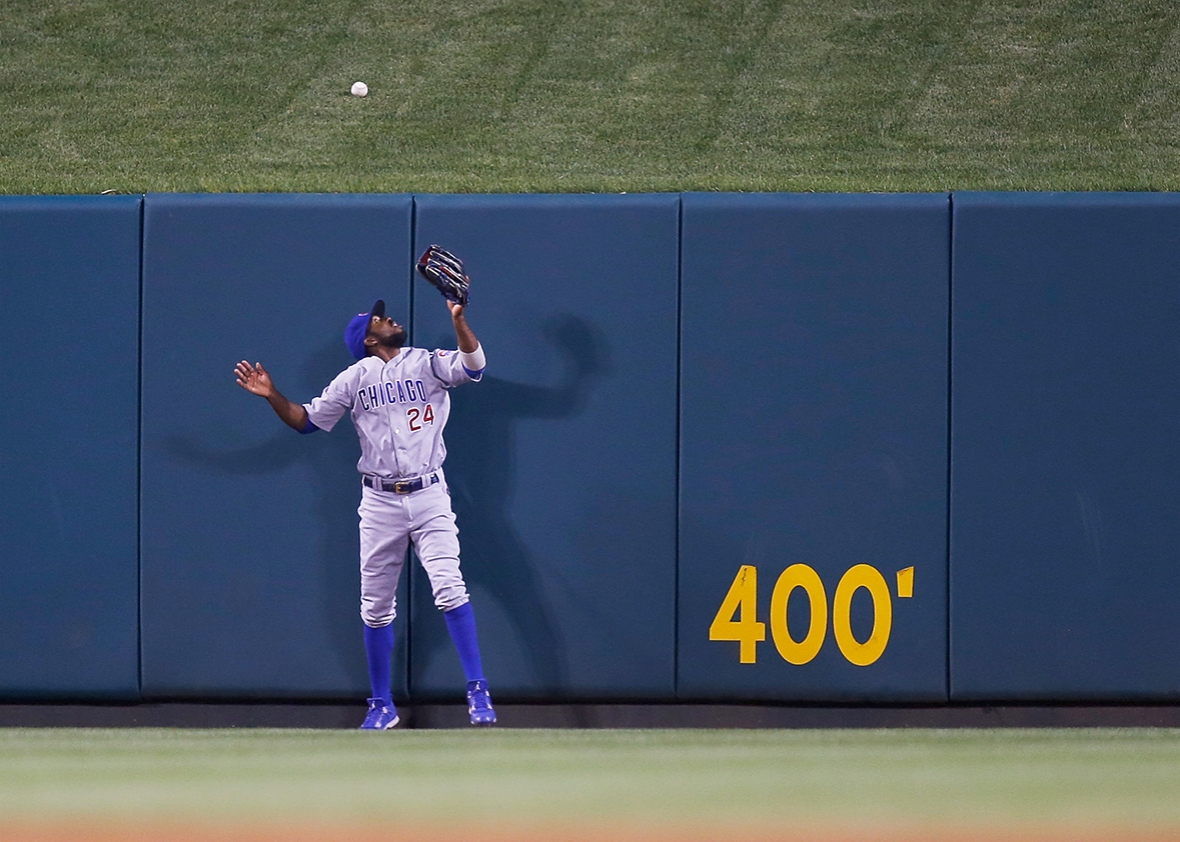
point(254, 379)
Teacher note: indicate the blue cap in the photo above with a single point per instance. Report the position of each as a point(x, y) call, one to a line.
point(358, 328)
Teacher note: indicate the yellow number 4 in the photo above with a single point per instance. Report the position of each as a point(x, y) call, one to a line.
point(746, 630)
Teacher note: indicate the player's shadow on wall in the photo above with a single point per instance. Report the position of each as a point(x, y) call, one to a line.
point(481, 472)
point(330, 461)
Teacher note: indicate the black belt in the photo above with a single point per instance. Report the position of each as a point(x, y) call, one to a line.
point(400, 486)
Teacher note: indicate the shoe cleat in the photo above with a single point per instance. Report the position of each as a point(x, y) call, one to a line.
point(381, 717)
point(479, 703)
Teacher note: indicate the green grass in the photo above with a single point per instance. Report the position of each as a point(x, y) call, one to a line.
point(588, 95)
point(1117, 778)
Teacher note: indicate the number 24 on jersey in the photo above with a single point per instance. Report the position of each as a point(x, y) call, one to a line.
point(418, 418)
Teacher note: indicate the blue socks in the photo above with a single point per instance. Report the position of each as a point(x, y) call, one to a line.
point(379, 648)
point(461, 625)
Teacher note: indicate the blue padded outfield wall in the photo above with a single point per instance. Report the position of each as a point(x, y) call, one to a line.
point(813, 447)
point(1066, 459)
point(250, 578)
point(562, 462)
point(69, 306)
point(781, 448)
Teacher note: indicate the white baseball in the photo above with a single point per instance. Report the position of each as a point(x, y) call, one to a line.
point(360, 89)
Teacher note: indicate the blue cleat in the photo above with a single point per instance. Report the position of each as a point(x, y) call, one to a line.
point(381, 717)
point(479, 703)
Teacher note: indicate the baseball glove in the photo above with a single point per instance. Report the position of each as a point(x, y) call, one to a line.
point(445, 272)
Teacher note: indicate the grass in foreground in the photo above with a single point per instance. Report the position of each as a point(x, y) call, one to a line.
point(588, 95)
point(1058, 779)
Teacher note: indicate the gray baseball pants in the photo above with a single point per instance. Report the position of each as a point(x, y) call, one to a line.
point(389, 522)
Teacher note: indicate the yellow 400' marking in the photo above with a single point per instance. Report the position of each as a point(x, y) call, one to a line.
point(748, 631)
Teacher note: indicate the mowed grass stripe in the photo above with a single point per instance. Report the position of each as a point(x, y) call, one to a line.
point(1121, 778)
point(589, 95)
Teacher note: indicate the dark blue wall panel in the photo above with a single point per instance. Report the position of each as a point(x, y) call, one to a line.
point(250, 569)
point(1064, 454)
point(69, 335)
point(813, 432)
point(562, 461)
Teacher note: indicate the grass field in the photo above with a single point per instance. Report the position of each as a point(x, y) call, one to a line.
point(683, 784)
point(589, 95)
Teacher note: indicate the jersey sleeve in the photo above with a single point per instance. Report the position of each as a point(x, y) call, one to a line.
point(333, 402)
point(449, 369)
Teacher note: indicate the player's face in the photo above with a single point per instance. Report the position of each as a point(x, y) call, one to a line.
point(387, 332)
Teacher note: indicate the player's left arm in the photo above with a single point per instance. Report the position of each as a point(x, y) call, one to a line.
point(470, 351)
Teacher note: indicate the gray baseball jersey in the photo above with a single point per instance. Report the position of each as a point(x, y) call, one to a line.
point(399, 409)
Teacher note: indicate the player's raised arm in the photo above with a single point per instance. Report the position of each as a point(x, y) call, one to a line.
point(467, 341)
point(469, 349)
point(256, 380)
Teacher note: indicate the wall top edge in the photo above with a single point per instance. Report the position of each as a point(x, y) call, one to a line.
point(973, 197)
point(58, 203)
point(1061, 198)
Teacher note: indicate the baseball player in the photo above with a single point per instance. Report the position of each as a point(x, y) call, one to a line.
point(399, 402)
